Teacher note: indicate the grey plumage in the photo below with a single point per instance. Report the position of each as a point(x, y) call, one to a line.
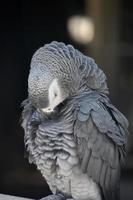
point(85, 137)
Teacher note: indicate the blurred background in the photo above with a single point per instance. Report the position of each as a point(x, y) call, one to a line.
point(101, 29)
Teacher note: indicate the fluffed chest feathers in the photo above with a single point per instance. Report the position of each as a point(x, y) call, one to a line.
point(55, 152)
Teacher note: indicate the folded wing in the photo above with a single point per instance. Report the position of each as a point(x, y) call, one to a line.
point(101, 134)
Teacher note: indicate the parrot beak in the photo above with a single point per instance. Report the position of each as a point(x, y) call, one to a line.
point(47, 110)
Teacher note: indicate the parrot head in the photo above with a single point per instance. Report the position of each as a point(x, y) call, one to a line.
point(52, 78)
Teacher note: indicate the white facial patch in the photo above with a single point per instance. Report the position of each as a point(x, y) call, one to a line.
point(54, 96)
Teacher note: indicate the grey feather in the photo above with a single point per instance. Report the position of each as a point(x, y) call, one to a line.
point(103, 174)
point(82, 117)
point(85, 160)
point(108, 178)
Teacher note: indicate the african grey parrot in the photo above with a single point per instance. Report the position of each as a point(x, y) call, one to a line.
point(73, 134)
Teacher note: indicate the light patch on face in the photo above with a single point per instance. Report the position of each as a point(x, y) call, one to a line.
point(54, 96)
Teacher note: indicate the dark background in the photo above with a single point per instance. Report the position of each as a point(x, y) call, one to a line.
point(27, 25)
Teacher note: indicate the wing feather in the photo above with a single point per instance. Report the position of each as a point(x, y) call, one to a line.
point(104, 130)
point(85, 160)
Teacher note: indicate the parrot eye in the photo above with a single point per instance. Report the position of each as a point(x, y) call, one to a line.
point(55, 94)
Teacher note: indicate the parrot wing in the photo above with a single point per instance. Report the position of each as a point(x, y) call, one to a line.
point(30, 122)
point(100, 131)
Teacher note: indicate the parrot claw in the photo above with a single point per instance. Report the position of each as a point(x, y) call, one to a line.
point(54, 197)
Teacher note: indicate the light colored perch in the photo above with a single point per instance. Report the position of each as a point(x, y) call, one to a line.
point(8, 197)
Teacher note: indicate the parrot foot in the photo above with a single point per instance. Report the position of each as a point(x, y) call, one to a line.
point(54, 197)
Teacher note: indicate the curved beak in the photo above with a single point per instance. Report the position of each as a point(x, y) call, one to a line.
point(47, 110)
